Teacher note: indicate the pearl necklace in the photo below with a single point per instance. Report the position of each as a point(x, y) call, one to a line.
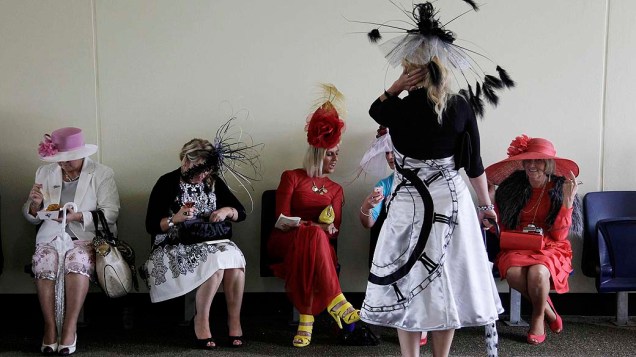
point(67, 178)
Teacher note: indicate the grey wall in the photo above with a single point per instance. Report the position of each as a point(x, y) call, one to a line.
point(143, 77)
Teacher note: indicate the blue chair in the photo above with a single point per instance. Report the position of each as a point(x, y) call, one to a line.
point(609, 245)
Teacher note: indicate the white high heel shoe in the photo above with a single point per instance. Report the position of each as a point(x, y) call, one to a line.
point(66, 350)
point(48, 349)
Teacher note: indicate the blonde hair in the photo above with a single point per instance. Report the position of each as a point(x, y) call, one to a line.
point(313, 161)
point(437, 94)
point(550, 167)
point(196, 151)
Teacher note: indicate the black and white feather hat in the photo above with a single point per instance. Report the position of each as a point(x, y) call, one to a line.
point(429, 38)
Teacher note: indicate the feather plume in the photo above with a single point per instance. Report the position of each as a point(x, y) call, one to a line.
point(490, 95)
point(505, 78)
point(374, 36)
point(477, 102)
point(493, 82)
point(473, 4)
point(464, 93)
point(435, 73)
point(330, 96)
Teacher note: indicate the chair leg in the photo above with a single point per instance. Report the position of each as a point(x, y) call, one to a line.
point(81, 319)
point(515, 310)
point(622, 315)
point(295, 316)
point(189, 307)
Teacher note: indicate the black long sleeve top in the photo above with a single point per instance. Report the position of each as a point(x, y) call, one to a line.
point(415, 132)
point(163, 200)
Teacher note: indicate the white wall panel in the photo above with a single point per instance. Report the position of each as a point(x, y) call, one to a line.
point(619, 130)
point(47, 80)
point(164, 69)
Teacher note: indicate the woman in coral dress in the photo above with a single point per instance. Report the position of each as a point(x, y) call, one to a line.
point(534, 195)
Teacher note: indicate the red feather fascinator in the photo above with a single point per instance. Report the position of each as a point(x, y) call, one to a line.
point(325, 125)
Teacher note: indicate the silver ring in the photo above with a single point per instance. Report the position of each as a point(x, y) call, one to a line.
point(185, 213)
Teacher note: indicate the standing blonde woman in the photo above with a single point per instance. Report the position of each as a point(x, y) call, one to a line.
point(430, 271)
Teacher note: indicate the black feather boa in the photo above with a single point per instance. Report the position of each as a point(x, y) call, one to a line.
point(514, 193)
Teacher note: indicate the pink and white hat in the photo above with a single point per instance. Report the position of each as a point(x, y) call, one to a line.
point(65, 144)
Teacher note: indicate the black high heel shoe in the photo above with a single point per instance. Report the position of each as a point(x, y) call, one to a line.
point(205, 343)
point(202, 343)
point(236, 341)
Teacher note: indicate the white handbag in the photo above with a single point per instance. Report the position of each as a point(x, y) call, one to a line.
point(114, 260)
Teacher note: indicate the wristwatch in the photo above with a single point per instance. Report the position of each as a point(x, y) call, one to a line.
point(170, 223)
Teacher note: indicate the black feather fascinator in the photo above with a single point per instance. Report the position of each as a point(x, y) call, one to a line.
point(235, 158)
point(429, 38)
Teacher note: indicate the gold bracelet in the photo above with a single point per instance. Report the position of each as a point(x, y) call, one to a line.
point(366, 214)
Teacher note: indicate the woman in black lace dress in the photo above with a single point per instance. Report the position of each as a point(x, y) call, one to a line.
point(188, 216)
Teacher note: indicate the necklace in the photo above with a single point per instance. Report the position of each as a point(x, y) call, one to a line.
point(320, 191)
point(68, 178)
point(536, 206)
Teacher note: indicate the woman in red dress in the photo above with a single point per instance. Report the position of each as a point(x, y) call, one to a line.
point(535, 195)
point(306, 252)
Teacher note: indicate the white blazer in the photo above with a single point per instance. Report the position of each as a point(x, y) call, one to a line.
point(95, 189)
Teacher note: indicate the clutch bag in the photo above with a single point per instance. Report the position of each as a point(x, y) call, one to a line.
point(327, 215)
point(517, 240)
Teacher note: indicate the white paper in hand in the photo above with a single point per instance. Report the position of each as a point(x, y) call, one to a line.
point(290, 221)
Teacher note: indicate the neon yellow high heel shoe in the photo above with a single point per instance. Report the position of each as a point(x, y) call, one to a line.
point(303, 334)
point(341, 309)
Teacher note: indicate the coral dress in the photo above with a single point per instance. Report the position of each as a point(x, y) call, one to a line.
point(557, 252)
point(308, 259)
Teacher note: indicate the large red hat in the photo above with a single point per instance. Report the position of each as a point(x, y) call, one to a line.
point(526, 148)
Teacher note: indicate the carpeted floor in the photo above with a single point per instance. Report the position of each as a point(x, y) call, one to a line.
point(157, 331)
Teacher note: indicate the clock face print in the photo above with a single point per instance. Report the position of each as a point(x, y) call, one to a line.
point(390, 269)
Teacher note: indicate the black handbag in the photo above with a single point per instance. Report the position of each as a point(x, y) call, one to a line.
point(199, 230)
point(360, 336)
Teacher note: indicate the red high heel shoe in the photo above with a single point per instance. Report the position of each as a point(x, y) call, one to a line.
point(557, 325)
point(535, 339)
point(424, 339)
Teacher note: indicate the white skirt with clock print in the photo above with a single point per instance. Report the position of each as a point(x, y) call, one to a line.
point(430, 270)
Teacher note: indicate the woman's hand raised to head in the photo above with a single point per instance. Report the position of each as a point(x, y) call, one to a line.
point(570, 187)
point(408, 80)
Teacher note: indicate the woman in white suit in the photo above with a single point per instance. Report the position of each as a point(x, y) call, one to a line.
point(71, 177)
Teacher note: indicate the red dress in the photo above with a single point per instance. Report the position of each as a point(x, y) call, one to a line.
point(308, 259)
point(557, 252)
